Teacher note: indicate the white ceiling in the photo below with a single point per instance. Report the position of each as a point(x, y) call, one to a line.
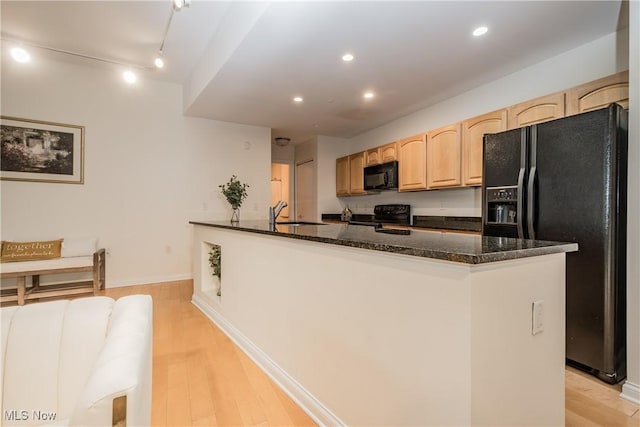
point(244, 61)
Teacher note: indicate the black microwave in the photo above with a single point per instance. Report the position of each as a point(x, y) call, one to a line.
point(381, 177)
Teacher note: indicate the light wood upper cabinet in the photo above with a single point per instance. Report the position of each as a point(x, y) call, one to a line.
point(388, 153)
point(383, 154)
point(373, 157)
point(342, 176)
point(473, 131)
point(444, 159)
point(599, 93)
point(537, 110)
point(356, 173)
point(412, 163)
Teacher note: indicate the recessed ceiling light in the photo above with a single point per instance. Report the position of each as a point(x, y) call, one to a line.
point(480, 31)
point(129, 77)
point(297, 99)
point(368, 95)
point(20, 55)
point(347, 57)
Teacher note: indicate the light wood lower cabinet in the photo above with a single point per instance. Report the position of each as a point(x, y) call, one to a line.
point(473, 131)
point(412, 163)
point(599, 93)
point(444, 157)
point(342, 176)
point(537, 110)
point(356, 173)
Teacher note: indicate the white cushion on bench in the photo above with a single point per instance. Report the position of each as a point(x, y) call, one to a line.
point(57, 263)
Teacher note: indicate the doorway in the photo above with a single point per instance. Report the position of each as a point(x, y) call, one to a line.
point(281, 187)
point(305, 191)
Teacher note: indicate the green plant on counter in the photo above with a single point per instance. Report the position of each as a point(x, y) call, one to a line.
point(214, 261)
point(234, 191)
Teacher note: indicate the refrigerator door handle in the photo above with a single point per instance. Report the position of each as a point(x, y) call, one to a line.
point(520, 203)
point(531, 197)
point(531, 185)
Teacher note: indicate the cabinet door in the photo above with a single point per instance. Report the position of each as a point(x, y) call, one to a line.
point(373, 156)
point(599, 93)
point(536, 111)
point(342, 176)
point(412, 163)
point(473, 131)
point(388, 153)
point(356, 175)
point(444, 157)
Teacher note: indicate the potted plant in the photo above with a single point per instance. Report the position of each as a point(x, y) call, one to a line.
point(235, 192)
point(215, 263)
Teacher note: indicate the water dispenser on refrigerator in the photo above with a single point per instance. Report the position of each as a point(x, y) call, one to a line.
point(501, 206)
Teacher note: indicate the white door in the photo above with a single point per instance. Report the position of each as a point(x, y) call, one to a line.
point(305, 191)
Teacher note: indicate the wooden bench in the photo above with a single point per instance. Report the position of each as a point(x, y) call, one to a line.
point(20, 270)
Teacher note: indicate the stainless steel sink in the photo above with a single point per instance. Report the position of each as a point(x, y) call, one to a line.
point(296, 223)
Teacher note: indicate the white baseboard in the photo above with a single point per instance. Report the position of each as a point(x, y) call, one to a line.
point(147, 280)
point(631, 392)
point(307, 402)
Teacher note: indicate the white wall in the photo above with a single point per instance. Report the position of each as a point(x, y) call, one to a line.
point(593, 60)
point(631, 388)
point(306, 199)
point(329, 149)
point(148, 169)
point(284, 154)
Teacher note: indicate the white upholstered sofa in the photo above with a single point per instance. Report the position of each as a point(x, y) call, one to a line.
point(71, 362)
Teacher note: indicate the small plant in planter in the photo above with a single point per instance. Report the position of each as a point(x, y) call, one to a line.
point(235, 193)
point(214, 262)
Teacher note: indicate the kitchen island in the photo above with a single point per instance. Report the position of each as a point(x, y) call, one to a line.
point(367, 328)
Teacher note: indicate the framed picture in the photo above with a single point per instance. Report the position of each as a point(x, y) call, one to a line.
point(39, 151)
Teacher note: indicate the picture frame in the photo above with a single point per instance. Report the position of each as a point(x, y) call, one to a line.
point(40, 151)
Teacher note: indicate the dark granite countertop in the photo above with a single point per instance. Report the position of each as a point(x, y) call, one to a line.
point(463, 248)
point(453, 223)
point(458, 223)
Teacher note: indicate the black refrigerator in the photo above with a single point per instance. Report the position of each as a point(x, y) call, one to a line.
point(566, 180)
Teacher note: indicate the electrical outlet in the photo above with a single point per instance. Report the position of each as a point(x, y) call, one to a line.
point(537, 317)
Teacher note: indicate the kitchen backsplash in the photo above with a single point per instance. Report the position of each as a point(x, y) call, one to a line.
point(453, 202)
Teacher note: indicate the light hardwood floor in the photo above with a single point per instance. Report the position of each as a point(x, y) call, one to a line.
point(200, 378)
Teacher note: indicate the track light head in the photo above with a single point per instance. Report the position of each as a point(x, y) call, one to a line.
point(179, 4)
point(159, 61)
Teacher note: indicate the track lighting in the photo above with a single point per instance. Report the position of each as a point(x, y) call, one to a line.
point(129, 77)
point(20, 55)
point(179, 4)
point(159, 61)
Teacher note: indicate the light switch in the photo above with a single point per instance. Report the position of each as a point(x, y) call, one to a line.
point(537, 317)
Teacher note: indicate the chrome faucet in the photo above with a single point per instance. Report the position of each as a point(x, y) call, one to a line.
point(275, 210)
